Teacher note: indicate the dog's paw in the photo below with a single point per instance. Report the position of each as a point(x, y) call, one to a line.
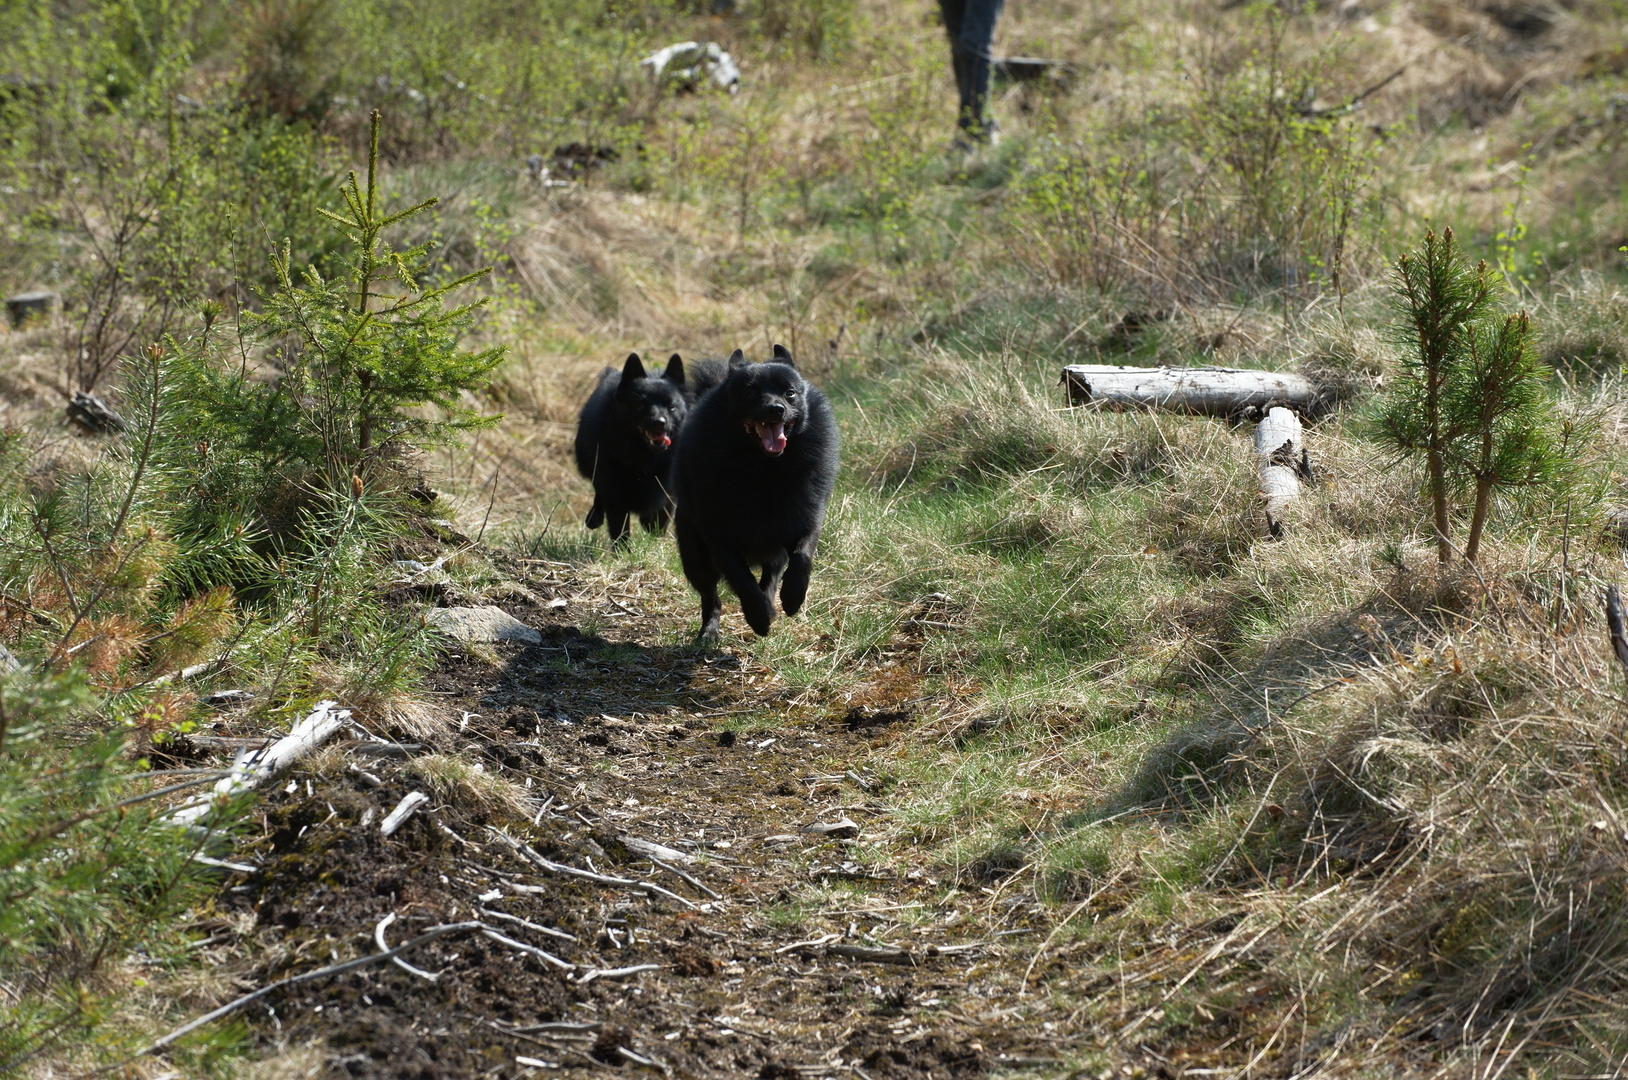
point(759, 618)
point(596, 517)
point(709, 637)
point(794, 589)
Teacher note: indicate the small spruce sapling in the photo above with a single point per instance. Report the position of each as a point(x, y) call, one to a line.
point(1470, 399)
point(363, 357)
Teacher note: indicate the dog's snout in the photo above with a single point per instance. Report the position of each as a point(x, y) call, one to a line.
point(778, 409)
point(659, 423)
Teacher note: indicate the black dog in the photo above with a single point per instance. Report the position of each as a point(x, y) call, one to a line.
point(757, 460)
point(624, 443)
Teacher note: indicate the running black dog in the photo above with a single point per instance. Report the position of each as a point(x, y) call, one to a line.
point(624, 443)
point(756, 463)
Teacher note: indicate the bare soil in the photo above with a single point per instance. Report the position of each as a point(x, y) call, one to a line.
point(611, 736)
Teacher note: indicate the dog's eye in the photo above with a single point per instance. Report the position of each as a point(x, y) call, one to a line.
point(791, 395)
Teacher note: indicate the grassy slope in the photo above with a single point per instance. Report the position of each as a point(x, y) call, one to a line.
point(1403, 790)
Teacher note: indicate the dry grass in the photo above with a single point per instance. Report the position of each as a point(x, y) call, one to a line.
point(453, 778)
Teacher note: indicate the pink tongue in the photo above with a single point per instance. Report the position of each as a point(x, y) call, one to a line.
point(773, 436)
point(662, 442)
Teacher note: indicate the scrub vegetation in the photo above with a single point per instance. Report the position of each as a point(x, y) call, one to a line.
point(1172, 795)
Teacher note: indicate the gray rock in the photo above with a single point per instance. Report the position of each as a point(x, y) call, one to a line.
point(91, 413)
point(8, 662)
point(481, 624)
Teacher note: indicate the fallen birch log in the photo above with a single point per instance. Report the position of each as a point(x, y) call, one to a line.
point(1208, 391)
point(1281, 454)
point(249, 771)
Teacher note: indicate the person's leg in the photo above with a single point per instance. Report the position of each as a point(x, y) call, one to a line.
point(977, 26)
point(954, 14)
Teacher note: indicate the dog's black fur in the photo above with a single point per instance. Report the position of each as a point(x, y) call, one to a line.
point(625, 440)
point(755, 465)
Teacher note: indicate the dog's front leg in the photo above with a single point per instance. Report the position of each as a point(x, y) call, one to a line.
point(702, 573)
point(657, 522)
point(617, 524)
point(794, 590)
point(773, 567)
point(596, 515)
point(758, 608)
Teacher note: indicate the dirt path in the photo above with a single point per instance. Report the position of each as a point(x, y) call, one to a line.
point(609, 737)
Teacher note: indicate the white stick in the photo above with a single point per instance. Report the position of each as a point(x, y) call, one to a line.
point(529, 925)
point(616, 973)
point(384, 946)
point(249, 771)
point(548, 957)
point(404, 810)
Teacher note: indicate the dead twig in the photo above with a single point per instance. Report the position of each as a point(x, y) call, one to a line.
point(615, 973)
point(525, 851)
point(529, 950)
point(676, 872)
point(528, 924)
point(384, 946)
point(321, 973)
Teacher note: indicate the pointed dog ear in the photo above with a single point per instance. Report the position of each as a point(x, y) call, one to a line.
point(675, 370)
point(781, 356)
point(633, 369)
point(737, 359)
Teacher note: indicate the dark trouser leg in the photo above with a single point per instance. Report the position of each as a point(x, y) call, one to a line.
point(953, 13)
point(972, 44)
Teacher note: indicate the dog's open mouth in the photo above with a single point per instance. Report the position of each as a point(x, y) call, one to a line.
point(773, 436)
point(658, 440)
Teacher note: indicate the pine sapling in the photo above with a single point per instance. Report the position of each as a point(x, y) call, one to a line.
point(1470, 399)
point(1439, 296)
point(1499, 402)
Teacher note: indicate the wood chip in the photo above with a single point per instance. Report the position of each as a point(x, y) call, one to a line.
point(871, 955)
point(844, 829)
point(404, 810)
point(652, 850)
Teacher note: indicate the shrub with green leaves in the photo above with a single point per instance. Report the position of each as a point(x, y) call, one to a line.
point(89, 870)
point(1471, 399)
point(1249, 185)
point(136, 198)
